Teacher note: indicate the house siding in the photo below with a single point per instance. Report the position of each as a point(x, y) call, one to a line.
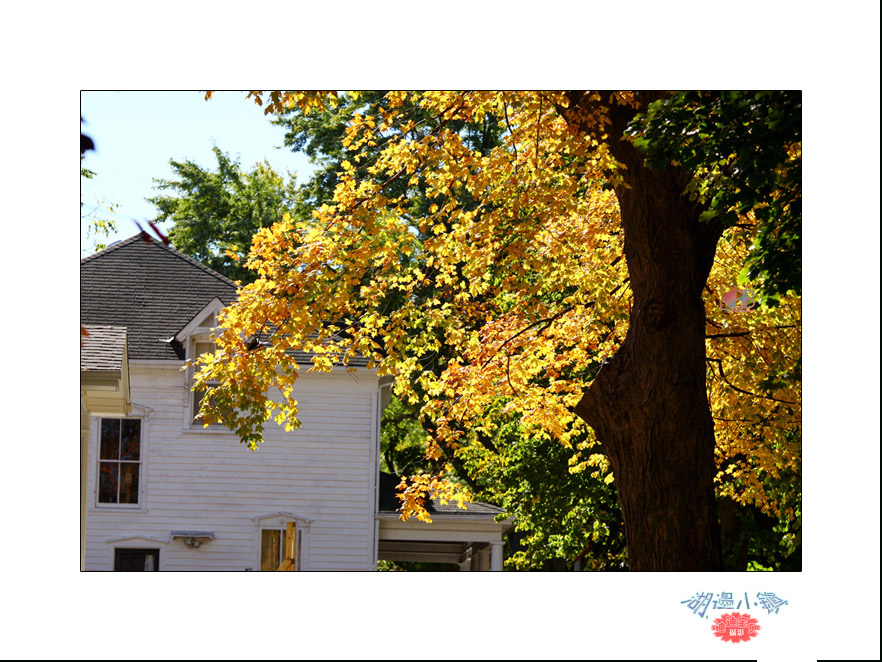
point(207, 481)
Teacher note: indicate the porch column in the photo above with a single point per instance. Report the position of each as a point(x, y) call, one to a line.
point(496, 556)
point(484, 560)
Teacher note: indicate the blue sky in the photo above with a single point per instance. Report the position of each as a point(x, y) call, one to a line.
point(137, 133)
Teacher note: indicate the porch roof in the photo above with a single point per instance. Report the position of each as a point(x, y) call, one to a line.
point(389, 501)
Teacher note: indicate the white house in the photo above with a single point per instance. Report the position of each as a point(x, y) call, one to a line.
point(164, 493)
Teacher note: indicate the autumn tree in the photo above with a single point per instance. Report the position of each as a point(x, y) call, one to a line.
point(575, 291)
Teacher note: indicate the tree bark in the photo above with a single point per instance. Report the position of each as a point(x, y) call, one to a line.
point(648, 405)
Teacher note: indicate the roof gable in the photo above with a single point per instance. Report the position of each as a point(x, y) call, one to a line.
point(152, 290)
point(198, 323)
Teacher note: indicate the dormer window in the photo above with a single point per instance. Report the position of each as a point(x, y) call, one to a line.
point(203, 323)
point(199, 348)
point(197, 339)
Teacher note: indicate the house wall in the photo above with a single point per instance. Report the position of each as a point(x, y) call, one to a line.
point(193, 479)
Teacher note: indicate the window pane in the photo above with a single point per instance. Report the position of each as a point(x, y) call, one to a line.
point(109, 439)
point(289, 548)
point(198, 396)
point(128, 482)
point(108, 481)
point(131, 440)
point(197, 402)
point(270, 549)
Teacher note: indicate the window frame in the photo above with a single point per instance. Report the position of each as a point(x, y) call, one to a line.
point(279, 522)
point(119, 551)
point(200, 338)
point(196, 332)
point(141, 462)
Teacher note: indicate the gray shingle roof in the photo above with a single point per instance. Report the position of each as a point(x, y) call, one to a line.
point(103, 349)
point(389, 502)
point(149, 288)
point(154, 291)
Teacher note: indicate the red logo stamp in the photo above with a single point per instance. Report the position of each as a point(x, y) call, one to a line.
point(735, 627)
point(738, 300)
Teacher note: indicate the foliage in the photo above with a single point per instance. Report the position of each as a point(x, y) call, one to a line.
point(215, 213)
point(402, 439)
point(745, 152)
point(490, 285)
point(320, 135)
point(577, 514)
point(97, 225)
point(563, 501)
point(415, 566)
point(754, 386)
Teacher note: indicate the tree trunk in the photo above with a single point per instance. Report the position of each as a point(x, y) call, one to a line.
point(648, 405)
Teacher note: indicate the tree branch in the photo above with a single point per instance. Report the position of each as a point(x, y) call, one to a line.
point(511, 133)
point(741, 390)
point(508, 375)
point(460, 468)
point(547, 320)
point(729, 335)
point(741, 334)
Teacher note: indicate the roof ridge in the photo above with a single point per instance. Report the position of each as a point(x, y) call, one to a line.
point(112, 247)
point(196, 263)
point(170, 249)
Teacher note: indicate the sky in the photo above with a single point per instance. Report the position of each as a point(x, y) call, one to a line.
point(137, 133)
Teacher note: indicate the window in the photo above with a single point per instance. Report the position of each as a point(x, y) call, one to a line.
point(281, 541)
point(199, 348)
point(119, 461)
point(136, 560)
point(278, 548)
